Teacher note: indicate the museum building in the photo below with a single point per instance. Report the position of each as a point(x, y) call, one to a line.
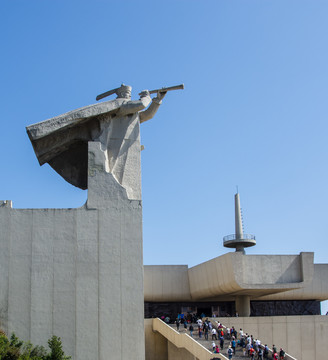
point(236, 284)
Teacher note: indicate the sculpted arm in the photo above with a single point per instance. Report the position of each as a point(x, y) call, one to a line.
point(131, 107)
point(154, 106)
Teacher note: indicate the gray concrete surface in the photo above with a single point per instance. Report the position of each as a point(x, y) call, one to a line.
point(75, 273)
point(78, 273)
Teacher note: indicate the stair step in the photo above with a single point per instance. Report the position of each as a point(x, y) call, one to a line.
point(208, 343)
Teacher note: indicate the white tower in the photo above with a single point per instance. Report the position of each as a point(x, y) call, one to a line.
point(239, 240)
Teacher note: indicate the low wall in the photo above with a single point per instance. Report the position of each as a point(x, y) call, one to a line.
point(156, 345)
point(77, 274)
point(165, 343)
point(303, 337)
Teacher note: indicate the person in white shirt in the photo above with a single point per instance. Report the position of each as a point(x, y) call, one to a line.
point(199, 323)
point(214, 334)
point(213, 346)
point(258, 342)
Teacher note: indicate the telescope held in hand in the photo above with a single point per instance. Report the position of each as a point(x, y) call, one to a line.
point(163, 89)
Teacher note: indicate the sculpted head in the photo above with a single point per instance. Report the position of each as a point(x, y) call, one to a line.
point(124, 91)
point(144, 93)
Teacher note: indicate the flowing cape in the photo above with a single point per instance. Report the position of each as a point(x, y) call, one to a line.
point(62, 141)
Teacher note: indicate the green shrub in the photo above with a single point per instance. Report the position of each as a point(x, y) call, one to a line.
point(39, 352)
point(15, 349)
point(56, 349)
point(4, 345)
point(30, 352)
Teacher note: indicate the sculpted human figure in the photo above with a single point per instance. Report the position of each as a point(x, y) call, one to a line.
point(120, 138)
point(62, 141)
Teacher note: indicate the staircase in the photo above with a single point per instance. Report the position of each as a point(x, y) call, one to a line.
point(181, 339)
point(200, 348)
point(207, 344)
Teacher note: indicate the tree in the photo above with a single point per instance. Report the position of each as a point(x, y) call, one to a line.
point(56, 349)
point(15, 349)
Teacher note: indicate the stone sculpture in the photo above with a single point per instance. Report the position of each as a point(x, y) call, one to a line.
point(78, 273)
point(63, 140)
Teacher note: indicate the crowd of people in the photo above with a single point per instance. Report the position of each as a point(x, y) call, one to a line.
point(251, 348)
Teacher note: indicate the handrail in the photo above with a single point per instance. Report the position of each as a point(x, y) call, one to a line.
point(239, 237)
point(184, 341)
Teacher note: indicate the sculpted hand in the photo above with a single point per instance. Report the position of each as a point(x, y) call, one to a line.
point(160, 95)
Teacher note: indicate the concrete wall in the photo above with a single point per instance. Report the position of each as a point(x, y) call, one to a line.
point(214, 277)
point(303, 337)
point(166, 281)
point(271, 269)
point(69, 273)
point(156, 344)
point(263, 277)
point(76, 273)
point(175, 353)
point(254, 275)
point(159, 348)
point(315, 290)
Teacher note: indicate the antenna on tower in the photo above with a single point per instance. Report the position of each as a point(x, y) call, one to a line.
point(242, 219)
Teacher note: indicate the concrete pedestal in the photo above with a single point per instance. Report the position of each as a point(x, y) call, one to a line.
point(76, 273)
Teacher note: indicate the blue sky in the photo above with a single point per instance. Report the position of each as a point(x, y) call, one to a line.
point(253, 113)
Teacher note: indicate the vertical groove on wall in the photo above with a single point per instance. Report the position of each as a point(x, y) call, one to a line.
point(302, 342)
point(31, 267)
point(121, 214)
point(53, 272)
point(98, 297)
point(75, 282)
point(8, 281)
point(287, 343)
point(315, 339)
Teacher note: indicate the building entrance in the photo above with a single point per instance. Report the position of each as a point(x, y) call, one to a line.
point(172, 309)
point(204, 310)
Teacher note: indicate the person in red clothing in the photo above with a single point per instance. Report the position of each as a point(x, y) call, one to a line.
point(275, 356)
point(252, 353)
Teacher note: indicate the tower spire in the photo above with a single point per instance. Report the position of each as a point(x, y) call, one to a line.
point(238, 221)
